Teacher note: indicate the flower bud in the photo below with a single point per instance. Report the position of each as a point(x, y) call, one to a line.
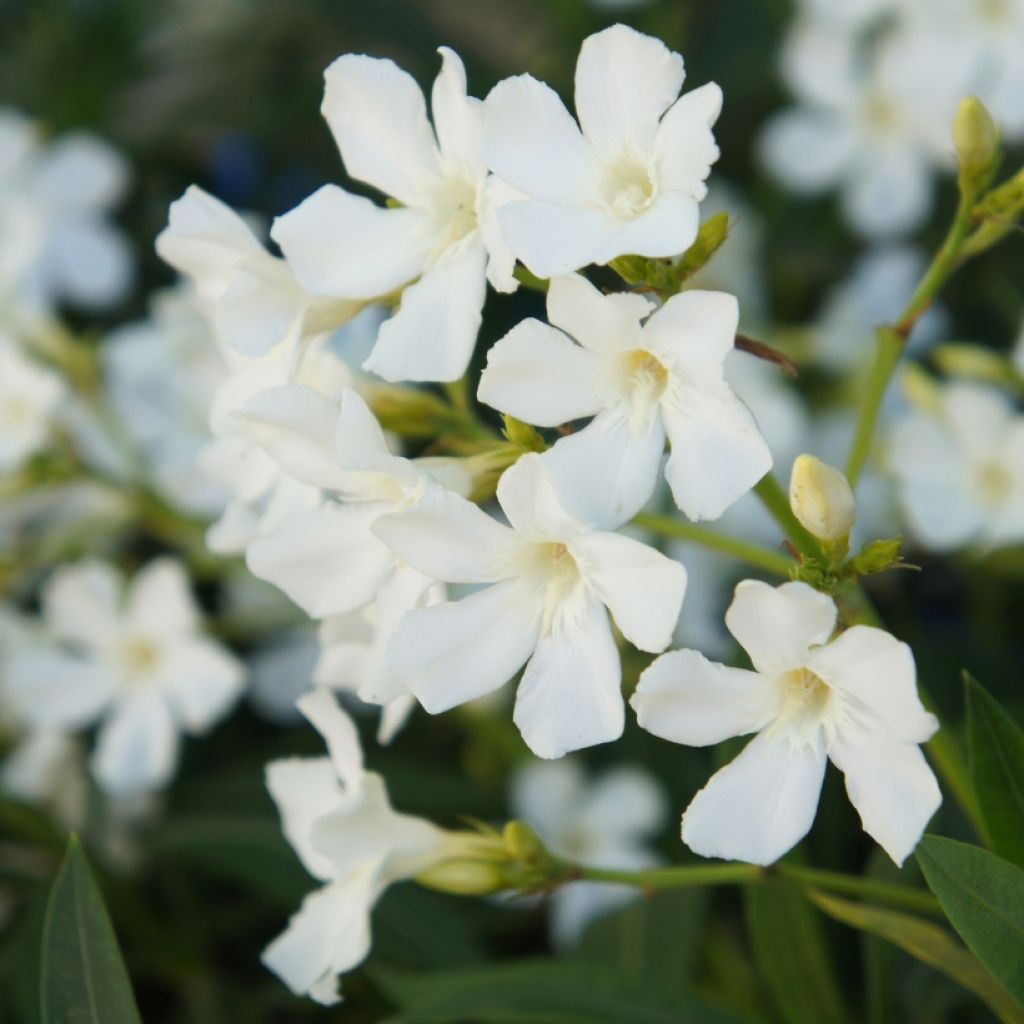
point(821, 499)
point(464, 877)
point(976, 139)
point(522, 843)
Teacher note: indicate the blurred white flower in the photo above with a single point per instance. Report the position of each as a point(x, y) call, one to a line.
point(440, 244)
point(131, 657)
point(30, 397)
point(852, 700)
point(643, 373)
point(605, 823)
point(552, 579)
point(959, 469)
point(627, 179)
point(56, 242)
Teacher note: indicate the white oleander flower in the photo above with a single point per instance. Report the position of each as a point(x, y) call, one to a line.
point(627, 178)
point(552, 580)
point(643, 372)
point(30, 398)
point(56, 242)
point(339, 821)
point(252, 297)
point(132, 658)
point(440, 246)
point(605, 823)
point(810, 699)
point(959, 469)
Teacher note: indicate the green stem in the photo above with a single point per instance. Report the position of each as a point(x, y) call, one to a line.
point(775, 499)
point(752, 554)
point(886, 892)
point(674, 878)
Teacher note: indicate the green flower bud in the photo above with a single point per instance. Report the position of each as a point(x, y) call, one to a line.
point(976, 140)
point(821, 499)
point(464, 877)
point(522, 843)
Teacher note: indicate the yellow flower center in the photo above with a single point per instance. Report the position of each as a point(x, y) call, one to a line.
point(139, 656)
point(628, 187)
point(558, 576)
point(994, 483)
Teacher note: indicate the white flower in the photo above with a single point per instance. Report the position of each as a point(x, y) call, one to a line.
point(959, 469)
point(132, 658)
point(253, 297)
point(852, 700)
point(627, 179)
point(30, 397)
point(607, 823)
point(553, 579)
point(641, 379)
point(441, 245)
point(339, 820)
point(56, 243)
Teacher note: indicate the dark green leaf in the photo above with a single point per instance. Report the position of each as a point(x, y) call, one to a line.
point(996, 752)
point(928, 943)
point(84, 980)
point(792, 953)
point(983, 897)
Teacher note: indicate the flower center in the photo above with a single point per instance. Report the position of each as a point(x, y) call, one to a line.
point(139, 656)
point(993, 10)
point(881, 114)
point(805, 700)
point(455, 204)
point(644, 380)
point(628, 187)
point(558, 578)
point(993, 482)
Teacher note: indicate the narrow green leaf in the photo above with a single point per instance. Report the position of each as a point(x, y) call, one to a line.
point(983, 897)
point(995, 745)
point(928, 943)
point(83, 977)
point(792, 953)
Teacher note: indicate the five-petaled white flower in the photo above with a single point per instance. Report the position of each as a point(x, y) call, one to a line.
point(852, 700)
point(553, 578)
point(627, 179)
point(134, 659)
point(339, 821)
point(641, 379)
point(441, 245)
point(30, 396)
point(960, 469)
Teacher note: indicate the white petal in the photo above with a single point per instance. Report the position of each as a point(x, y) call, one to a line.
point(874, 669)
point(326, 560)
point(687, 699)
point(601, 323)
point(552, 240)
point(807, 150)
point(393, 716)
point(892, 192)
point(538, 375)
point(82, 173)
point(891, 786)
point(627, 803)
point(448, 538)
point(569, 696)
point(574, 907)
point(159, 600)
point(531, 141)
point(685, 145)
point(358, 439)
point(547, 794)
point(666, 228)
point(81, 603)
point(625, 81)
point(344, 245)
point(137, 746)
point(979, 417)
point(642, 588)
point(760, 805)
point(458, 118)
point(777, 626)
point(339, 732)
point(531, 497)
point(91, 263)
point(432, 336)
point(454, 652)
point(204, 681)
point(718, 453)
point(693, 333)
point(48, 689)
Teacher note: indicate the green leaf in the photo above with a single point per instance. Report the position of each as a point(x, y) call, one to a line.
point(983, 897)
point(528, 991)
point(792, 953)
point(927, 942)
point(995, 745)
point(83, 977)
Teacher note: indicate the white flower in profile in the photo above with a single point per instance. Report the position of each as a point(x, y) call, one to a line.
point(810, 699)
point(627, 179)
point(605, 823)
point(339, 821)
point(959, 469)
point(552, 579)
point(30, 398)
point(252, 297)
point(132, 658)
point(440, 246)
point(643, 373)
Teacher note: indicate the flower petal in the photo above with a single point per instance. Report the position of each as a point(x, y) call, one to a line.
point(777, 626)
point(552, 240)
point(760, 805)
point(687, 699)
point(48, 689)
point(546, 795)
point(203, 682)
point(600, 323)
point(807, 150)
point(458, 118)
point(82, 604)
point(625, 802)
point(159, 600)
point(323, 712)
point(666, 228)
point(531, 496)
point(685, 145)
point(891, 193)
point(137, 746)
point(569, 696)
point(642, 588)
point(693, 333)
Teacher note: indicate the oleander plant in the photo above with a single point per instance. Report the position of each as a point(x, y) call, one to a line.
point(510, 551)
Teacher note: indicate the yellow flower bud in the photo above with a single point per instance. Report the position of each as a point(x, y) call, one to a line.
point(464, 877)
point(821, 499)
point(976, 139)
